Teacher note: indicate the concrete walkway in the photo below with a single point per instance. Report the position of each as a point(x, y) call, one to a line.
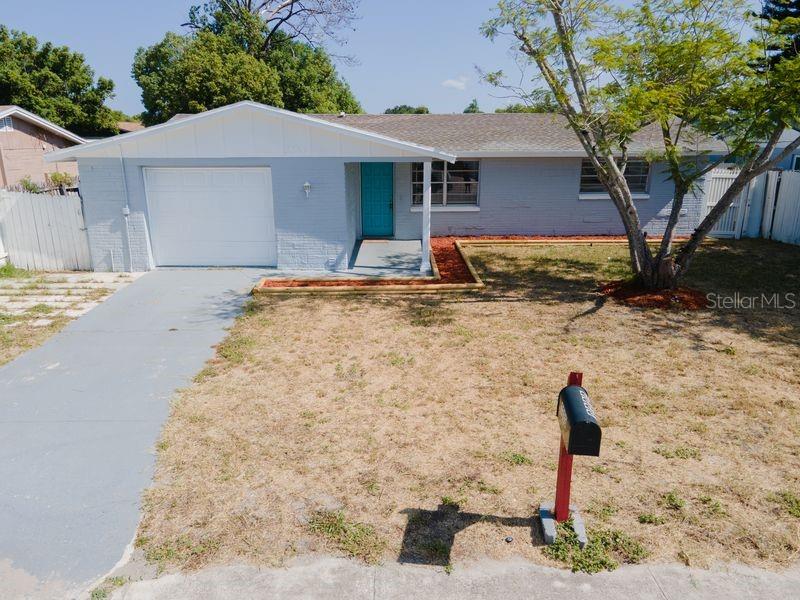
point(79, 417)
point(333, 578)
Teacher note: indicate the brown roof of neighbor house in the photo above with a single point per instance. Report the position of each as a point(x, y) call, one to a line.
point(128, 126)
point(487, 133)
point(13, 110)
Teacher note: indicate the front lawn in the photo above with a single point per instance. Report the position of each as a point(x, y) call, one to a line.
point(422, 429)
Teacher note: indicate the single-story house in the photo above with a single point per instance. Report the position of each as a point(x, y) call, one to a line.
point(24, 140)
point(249, 184)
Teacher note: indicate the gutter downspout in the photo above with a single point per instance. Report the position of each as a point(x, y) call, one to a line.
point(126, 210)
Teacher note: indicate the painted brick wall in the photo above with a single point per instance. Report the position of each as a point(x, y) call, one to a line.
point(103, 193)
point(312, 233)
point(538, 196)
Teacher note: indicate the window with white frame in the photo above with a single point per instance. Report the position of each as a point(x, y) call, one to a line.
point(6, 124)
point(451, 184)
point(796, 163)
point(637, 173)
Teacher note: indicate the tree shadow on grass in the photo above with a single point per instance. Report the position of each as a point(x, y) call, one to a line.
point(429, 534)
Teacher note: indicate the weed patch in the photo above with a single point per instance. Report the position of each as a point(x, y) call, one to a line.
point(604, 551)
point(355, 539)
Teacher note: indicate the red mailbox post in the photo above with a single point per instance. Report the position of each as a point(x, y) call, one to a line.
point(564, 477)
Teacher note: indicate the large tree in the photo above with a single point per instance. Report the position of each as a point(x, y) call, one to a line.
point(190, 74)
point(224, 59)
point(678, 65)
point(55, 83)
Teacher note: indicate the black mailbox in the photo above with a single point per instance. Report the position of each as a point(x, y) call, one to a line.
point(579, 429)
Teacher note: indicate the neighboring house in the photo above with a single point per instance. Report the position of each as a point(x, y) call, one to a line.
point(24, 140)
point(248, 184)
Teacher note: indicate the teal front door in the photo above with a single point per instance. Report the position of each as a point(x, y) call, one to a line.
point(377, 191)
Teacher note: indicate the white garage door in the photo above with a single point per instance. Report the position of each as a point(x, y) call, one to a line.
point(211, 216)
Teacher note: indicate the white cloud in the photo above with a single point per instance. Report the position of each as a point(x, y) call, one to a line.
point(459, 83)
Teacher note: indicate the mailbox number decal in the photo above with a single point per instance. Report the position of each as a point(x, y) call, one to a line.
point(587, 404)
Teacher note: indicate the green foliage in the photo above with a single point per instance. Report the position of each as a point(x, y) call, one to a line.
point(224, 61)
point(28, 185)
point(57, 179)
point(308, 80)
point(515, 458)
point(56, 84)
point(651, 519)
point(405, 109)
point(538, 101)
point(781, 24)
point(604, 551)
point(194, 73)
point(8, 271)
point(672, 501)
point(789, 500)
point(356, 539)
point(473, 107)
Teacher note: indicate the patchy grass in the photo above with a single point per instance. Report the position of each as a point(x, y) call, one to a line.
point(604, 551)
point(355, 539)
point(383, 406)
point(789, 501)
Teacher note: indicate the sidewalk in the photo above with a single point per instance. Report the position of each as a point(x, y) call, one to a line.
point(332, 578)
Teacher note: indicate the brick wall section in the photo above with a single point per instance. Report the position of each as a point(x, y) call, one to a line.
point(103, 193)
point(539, 196)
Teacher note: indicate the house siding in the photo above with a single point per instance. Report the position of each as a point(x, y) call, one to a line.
point(540, 196)
point(312, 233)
point(22, 153)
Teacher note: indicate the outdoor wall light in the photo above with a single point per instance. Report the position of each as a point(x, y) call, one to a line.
point(307, 189)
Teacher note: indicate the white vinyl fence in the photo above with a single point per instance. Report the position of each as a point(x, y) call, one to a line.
point(776, 194)
point(730, 223)
point(783, 222)
point(41, 232)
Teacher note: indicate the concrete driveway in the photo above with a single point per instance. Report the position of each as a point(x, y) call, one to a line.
point(79, 417)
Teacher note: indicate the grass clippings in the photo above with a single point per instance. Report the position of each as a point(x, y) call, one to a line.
point(388, 404)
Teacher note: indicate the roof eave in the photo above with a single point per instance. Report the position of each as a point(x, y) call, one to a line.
point(44, 123)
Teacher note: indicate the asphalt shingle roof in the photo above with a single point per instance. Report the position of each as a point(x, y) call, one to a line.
point(534, 133)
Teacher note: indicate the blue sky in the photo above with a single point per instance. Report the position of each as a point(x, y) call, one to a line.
point(414, 52)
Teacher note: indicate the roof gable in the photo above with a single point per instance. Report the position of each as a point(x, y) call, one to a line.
point(17, 112)
point(248, 129)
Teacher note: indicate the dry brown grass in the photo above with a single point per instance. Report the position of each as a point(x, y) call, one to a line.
point(429, 421)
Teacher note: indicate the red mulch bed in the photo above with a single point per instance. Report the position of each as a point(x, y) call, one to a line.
point(630, 293)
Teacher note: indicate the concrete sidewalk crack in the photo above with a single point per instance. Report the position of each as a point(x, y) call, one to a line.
point(658, 585)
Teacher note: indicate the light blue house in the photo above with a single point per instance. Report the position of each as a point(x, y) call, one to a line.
point(249, 184)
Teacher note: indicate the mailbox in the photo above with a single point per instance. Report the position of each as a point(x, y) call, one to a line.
point(579, 429)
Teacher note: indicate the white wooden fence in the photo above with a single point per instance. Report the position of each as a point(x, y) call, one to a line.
point(41, 232)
